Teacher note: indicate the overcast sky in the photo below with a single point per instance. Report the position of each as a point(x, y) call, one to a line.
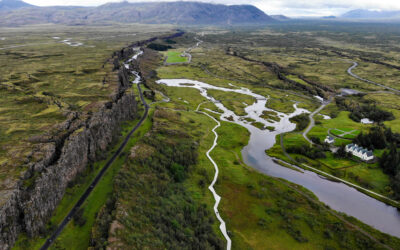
point(286, 7)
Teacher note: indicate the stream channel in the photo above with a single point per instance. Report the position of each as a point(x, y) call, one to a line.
point(336, 195)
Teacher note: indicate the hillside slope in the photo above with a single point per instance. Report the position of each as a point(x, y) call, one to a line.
point(182, 13)
point(13, 4)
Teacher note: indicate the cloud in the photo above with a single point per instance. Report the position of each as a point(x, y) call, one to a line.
point(286, 7)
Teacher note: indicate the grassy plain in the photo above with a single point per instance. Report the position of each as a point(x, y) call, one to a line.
point(367, 175)
point(233, 101)
point(260, 210)
point(317, 64)
point(49, 70)
point(251, 202)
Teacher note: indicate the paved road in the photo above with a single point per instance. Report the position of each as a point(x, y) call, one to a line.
point(89, 190)
point(355, 64)
point(312, 121)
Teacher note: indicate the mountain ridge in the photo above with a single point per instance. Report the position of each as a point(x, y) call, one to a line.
point(371, 14)
point(13, 4)
point(180, 13)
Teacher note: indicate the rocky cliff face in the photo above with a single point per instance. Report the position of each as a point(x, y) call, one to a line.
point(65, 153)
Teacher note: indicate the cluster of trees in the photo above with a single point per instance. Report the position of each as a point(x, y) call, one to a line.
point(310, 152)
point(341, 152)
point(301, 121)
point(158, 47)
point(176, 157)
point(170, 41)
point(100, 229)
point(320, 144)
point(362, 108)
point(160, 212)
point(378, 137)
point(390, 163)
point(78, 218)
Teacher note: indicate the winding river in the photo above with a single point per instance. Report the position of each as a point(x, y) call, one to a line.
point(337, 195)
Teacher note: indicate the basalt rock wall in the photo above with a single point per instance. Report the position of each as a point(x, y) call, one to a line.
point(66, 153)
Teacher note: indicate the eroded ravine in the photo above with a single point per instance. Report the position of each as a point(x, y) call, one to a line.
point(337, 195)
point(49, 241)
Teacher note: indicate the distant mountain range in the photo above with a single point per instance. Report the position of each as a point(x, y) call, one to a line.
point(16, 12)
point(13, 4)
point(280, 17)
point(371, 14)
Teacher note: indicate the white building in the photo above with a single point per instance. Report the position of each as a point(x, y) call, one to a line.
point(329, 139)
point(359, 152)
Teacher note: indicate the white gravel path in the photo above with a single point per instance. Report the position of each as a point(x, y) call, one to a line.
point(217, 198)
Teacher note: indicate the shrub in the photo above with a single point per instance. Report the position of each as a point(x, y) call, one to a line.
point(178, 172)
point(310, 152)
point(362, 108)
point(78, 218)
point(170, 41)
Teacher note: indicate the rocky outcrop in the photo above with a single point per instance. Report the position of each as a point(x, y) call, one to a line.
point(64, 154)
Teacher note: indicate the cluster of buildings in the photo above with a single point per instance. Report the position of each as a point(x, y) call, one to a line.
point(359, 152)
point(354, 149)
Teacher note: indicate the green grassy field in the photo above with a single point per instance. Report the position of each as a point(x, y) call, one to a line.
point(233, 101)
point(345, 133)
point(367, 175)
point(175, 57)
point(245, 192)
point(256, 207)
point(246, 74)
point(336, 125)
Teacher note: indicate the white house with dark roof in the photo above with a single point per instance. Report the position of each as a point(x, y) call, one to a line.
point(329, 139)
point(359, 152)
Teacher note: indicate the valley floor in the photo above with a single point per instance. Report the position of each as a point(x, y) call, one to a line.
point(157, 193)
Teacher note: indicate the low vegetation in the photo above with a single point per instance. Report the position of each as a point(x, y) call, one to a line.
point(301, 121)
point(157, 195)
point(364, 110)
point(155, 176)
point(43, 80)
